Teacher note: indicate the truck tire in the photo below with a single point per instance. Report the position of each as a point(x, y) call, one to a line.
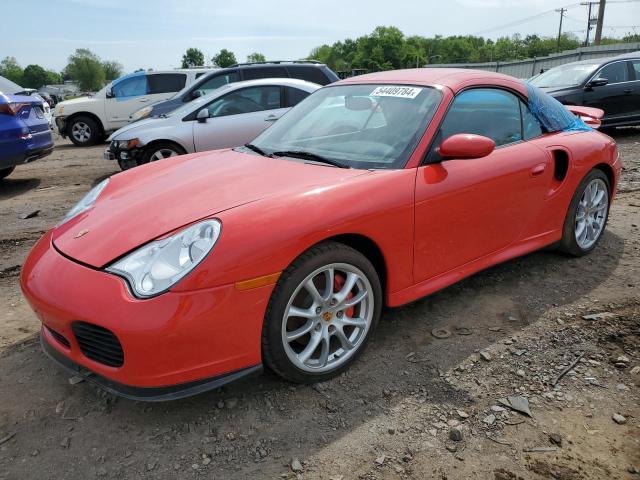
point(84, 131)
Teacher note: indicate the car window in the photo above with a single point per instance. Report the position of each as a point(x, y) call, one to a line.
point(264, 72)
point(489, 112)
point(614, 72)
point(199, 74)
point(247, 100)
point(531, 127)
point(131, 87)
point(294, 96)
point(310, 74)
point(636, 68)
point(216, 82)
point(166, 82)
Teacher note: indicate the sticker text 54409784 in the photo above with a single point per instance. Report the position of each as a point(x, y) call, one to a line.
point(396, 91)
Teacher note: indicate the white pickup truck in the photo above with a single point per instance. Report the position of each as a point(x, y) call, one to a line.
point(88, 120)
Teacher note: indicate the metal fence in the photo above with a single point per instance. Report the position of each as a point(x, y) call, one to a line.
point(531, 66)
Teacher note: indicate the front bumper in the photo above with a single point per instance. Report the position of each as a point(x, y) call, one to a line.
point(145, 394)
point(129, 158)
point(175, 344)
point(61, 123)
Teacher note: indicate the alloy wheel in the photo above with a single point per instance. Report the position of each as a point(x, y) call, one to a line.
point(163, 153)
point(327, 317)
point(591, 213)
point(81, 132)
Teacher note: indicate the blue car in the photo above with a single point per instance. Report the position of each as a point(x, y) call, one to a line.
point(24, 132)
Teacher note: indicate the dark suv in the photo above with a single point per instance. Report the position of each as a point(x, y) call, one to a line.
point(308, 70)
point(611, 84)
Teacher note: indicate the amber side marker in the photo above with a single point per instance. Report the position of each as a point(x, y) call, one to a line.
point(258, 281)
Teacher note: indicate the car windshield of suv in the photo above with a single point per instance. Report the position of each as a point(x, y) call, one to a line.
point(357, 126)
point(564, 75)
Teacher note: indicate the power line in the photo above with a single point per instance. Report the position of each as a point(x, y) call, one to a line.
point(541, 14)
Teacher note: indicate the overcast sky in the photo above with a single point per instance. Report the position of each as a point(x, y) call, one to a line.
point(155, 34)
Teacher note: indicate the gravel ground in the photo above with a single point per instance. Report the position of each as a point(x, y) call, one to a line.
point(413, 406)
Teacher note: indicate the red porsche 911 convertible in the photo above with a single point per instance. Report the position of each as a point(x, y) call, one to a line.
point(188, 273)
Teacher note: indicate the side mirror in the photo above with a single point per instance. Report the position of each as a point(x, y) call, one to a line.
point(109, 93)
point(196, 94)
point(597, 82)
point(203, 115)
point(466, 145)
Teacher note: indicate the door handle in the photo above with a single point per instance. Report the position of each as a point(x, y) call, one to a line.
point(143, 100)
point(538, 169)
point(271, 118)
point(628, 90)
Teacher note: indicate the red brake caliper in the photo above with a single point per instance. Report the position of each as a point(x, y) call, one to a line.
point(338, 283)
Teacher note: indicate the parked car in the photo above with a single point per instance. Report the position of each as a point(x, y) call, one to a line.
point(89, 119)
point(230, 116)
point(611, 84)
point(12, 88)
point(183, 275)
point(311, 71)
point(25, 134)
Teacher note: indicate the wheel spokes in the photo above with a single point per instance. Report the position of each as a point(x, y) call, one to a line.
point(310, 348)
point(353, 322)
point(300, 332)
point(344, 341)
point(349, 283)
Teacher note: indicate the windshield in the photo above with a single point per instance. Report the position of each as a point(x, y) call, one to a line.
point(358, 126)
point(564, 75)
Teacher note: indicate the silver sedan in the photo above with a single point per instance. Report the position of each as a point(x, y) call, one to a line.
point(229, 116)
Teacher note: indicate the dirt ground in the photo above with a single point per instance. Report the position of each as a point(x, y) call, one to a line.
point(413, 406)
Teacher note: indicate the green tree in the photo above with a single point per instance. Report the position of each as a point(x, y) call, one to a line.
point(10, 69)
point(224, 58)
point(85, 68)
point(256, 57)
point(112, 70)
point(34, 76)
point(193, 57)
point(53, 78)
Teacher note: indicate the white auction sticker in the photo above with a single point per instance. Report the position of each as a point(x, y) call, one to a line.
point(396, 91)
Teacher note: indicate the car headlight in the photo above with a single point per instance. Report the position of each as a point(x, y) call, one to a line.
point(126, 144)
point(157, 266)
point(87, 201)
point(142, 113)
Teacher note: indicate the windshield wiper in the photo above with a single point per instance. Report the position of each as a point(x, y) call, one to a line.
point(308, 156)
point(256, 149)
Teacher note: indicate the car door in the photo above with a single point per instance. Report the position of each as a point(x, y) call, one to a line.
point(614, 97)
point(466, 209)
point(238, 117)
point(126, 97)
point(634, 86)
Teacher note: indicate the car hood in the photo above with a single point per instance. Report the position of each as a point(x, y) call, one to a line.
point(74, 102)
point(125, 132)
point(147, 202)
point(559, 90)
point(166, 106)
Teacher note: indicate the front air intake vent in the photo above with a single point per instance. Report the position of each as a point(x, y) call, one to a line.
point(98, 344)
point(59, 337)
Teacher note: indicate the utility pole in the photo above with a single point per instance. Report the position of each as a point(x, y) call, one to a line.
point(590, 21)
point(600, 22)
point(561, 10)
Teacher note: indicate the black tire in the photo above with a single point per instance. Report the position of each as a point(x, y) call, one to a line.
point(150, 150)
point(5, 172)
point(273, 350)
point(84, 131)
point(569, 244)
point(127, 164)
